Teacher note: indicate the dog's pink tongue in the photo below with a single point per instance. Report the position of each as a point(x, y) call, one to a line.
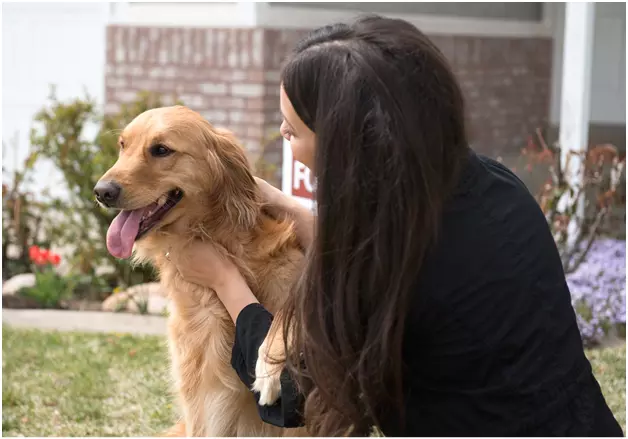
point(122, 232)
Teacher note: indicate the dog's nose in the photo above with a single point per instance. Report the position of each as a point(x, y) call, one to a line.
point(107, 192)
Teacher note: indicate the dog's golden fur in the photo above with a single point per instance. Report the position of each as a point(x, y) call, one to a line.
point(221, 204)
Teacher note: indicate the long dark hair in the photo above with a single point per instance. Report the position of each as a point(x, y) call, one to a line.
point(390, 126)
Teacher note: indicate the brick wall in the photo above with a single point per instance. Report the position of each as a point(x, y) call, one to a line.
point(231, 76)
point(507, 85)
point(219, 73)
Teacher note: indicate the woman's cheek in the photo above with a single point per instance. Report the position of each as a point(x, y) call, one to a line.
point(297, 151)
point(303, 152)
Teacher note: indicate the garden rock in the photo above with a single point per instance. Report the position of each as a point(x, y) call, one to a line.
point(150, 292)
point(16, 283)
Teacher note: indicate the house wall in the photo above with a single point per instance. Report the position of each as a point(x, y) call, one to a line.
point(504, 69)
point(40, 48)
point(230, 76)
point(43, 44)
point(177, 14)
point(503, 54)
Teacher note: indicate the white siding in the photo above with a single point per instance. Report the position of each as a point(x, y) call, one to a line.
point(43, 44)
point(201, 14)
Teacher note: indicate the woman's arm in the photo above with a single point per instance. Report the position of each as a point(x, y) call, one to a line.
point(252, 326)
point(234, 293)
point(303, 222)
point(203, 265)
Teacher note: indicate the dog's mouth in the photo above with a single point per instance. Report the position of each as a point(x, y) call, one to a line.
point(155, 212)
point(131, 225)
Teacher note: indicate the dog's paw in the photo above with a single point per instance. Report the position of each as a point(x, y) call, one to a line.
point(267, 378)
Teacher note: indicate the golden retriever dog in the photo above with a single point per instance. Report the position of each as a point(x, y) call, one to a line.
point(177, 172)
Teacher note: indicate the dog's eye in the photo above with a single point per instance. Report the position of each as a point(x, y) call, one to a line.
point(160, 150)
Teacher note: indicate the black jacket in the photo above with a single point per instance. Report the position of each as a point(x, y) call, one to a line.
point(492, 347)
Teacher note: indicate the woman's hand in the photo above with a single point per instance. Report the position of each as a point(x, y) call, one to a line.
point(275, 200)
point(277, 203)
point(202, 264)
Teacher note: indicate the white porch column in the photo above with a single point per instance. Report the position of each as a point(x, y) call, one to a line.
point(575, 108)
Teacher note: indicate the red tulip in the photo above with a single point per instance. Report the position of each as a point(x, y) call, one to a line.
point(42, 256)
point(45, 254)
point(33, 252)
point(55, 259)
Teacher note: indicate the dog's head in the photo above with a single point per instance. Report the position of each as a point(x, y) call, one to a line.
point(174, 166)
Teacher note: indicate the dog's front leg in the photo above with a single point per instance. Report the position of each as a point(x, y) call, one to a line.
point(193, 415)
point(190, 381)
point(177, 430)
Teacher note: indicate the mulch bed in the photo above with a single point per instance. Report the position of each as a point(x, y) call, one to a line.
point(14, 301)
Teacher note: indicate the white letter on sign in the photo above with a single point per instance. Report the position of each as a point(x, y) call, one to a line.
point(301, 174)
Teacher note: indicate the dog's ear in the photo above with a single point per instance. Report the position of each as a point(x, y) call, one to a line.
point(236, 189)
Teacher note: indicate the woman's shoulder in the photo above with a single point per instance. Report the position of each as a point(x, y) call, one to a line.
point(492, 227)
point(481, 173)
point(493, 266)
point(492, 199)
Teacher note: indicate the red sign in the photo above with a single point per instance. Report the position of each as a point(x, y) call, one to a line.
point(301, 180)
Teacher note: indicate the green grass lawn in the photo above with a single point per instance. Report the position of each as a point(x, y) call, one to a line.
point(609, 367)
point(72, 384)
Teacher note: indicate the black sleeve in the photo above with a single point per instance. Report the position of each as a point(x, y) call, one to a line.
point(252, 325)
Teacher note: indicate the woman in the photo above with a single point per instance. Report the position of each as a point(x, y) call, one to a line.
point(434, 301)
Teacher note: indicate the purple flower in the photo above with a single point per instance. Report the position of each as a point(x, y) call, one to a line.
point(598, 289)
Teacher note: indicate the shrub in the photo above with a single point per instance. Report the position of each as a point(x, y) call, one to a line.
point(559, 198)
point(61, 136)
point(22, 218)
point(595, 267)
